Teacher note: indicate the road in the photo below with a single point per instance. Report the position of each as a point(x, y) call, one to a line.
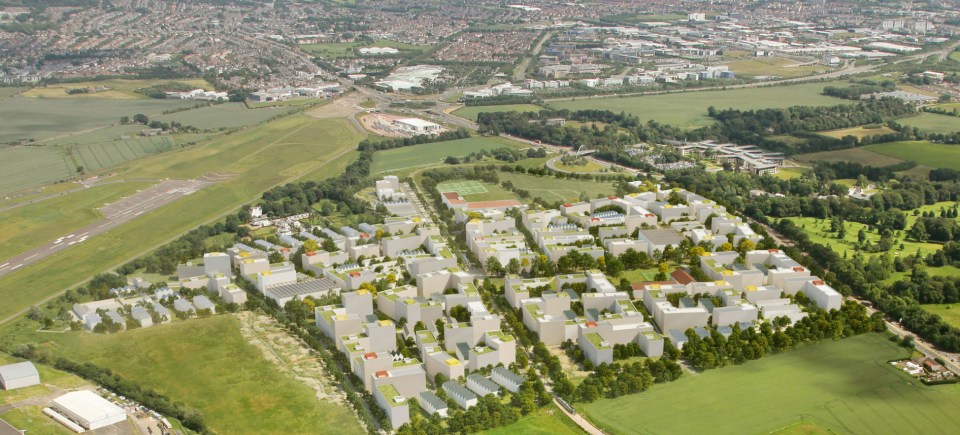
point(520, 72)
point(115, 214)
point(950, 359)
point(579, 420)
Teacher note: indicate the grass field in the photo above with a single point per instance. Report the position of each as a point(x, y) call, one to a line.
point(862, 156)
point(28, 226)
point(689, 109)
point(949, 312)
point(470, 187)
point(552, 189)
point(435, 153)
point(207, 364)
point(932, 123)
point(843, 386)
point(858, 132)
point(295, 147)
point(587, 166)
point(226, 115)
point(9, 91)
point(818, 231)
point(547, 421)
point(790, 172)
point(42, 118)
point(470, 112)
point(346, 49)
point(32, 420)
point(924, 153)
point(119, 89)
point(773, 66)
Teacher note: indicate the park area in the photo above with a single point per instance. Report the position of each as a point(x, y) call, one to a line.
point(552, 189)
point(858, 132)
point(689, 109)
point(434, 153)
point(949, 312)
point(207, 364)
point(843, 386)
point(818, 230)
point(774, 66)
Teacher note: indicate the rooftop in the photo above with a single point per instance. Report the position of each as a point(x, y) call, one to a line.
point(390, 393)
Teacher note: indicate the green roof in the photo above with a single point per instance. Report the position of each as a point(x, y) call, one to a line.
point(595, 339)
point(501, 335)
point(389, 392)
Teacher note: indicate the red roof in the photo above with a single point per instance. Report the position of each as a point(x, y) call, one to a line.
point(591, 324)
point(681, 276)
point(797, 268)
point(453, 198)
point(818, 282)
point(311, 253)
point(370, 355)
point(494, 204)
point(568, 205)
point(382, 374)
point(612, 197)
point(773, 251)
point(354, 274)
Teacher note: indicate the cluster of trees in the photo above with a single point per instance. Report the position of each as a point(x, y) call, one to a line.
point(503, 154)
point(864, 87)
point(938, 229)
point(615, 380)
point(845, 169)
point(500, 100)
point(367, 144)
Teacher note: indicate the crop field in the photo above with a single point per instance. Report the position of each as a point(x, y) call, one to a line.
point(28, 226)
point(863, 156)
point(117, 88)
point(435, 153)
point(462, 187)
point(689, 109)
point(9, 91)
point(207, 364)
point(226, 115)
point(548, 420)
point(858, 132)
point(818, 231)
point(26, 166)
point(553, 189)
point(844, 386)
point(335, 50)
point(264, 156)
point(933, 123)
point(40, 118)
point(471, 112)
point(773, 66)
point(924, 153)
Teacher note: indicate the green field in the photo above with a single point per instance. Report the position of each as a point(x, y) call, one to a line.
point(786, 173)
point(862, 156)
point(924, 153)
point(773, 66)
point(470, 112)
point(463, 187)
point(844, 386)
point(547, 421)
point(207, 364)
point(32, 420)
point(858, 132)
point(689, 109)
point(818, 231)
point(434, 153)
point(335, 50)
point(587, 166)
point(118, 89)
point(949, 312)
point(30, 225)
point(226, 115)
point(932, 123)
point(553, 189)
point(295, 147)
point(43, 118)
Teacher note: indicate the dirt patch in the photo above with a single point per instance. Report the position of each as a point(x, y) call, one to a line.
point(382, 124)
point(340, 108)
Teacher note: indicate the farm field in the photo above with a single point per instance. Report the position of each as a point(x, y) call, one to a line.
point(552, 189)
point(118, 88)
point(949, 312)
point(818, 231)
point(843, 386)
point(773, 66)
point(924, 153)
point(689, 109)
point(40, 118)
point(207, 364)
point(226, 115)
point(548, 420)
point(863, 156)
point(25, 227)
point(335, 50)
point(932, 123)
point(264, 156)
point(471, 112)
point(9, 91)
point(434, 153)
point(858, 132)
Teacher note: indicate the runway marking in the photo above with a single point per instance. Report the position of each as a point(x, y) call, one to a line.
point(16, 267)
point(32, 256)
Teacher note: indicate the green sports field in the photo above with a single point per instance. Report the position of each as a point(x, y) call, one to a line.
point(932, 123)
point(689, 109)
point(845, 386)
point(470, 112)
point(207, 364)
point(463, 187)
point(434, 153)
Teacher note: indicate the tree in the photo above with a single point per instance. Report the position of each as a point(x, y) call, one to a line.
point(513, 266)
point(461, 313)
point(124, 119)
point(494, 267)
point(311, 246)
point(918, 232)
point(275, 257)
point(141, 119)
point(725, 247)
point(329, 245)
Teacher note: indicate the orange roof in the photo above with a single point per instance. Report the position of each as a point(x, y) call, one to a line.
point(591, 324)
point(612, 197)
point(797, 268)
point(568, 205)
point(370, 355)
point(454, 197)
point(818, 282)
point(311, 253)
point(382, 374)
point(773, 251)
point(681, 276)
point(494, 204)
point(354, 274)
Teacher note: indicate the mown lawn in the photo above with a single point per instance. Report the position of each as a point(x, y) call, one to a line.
point(933, 123)
point(924, 153)
point(819, 232)
point(549, 420)
point(843, 386)
point(434, 153)
point(553, 189)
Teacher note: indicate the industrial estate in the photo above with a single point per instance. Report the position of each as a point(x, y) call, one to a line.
point(302, 217)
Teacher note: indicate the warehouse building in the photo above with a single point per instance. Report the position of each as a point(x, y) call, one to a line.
point(88, 409)
point(19, 375)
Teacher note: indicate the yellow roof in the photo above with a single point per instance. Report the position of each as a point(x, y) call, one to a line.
point(452, 362)
point(385, 323)
point(727, 272)
point(719, 282)
point(363, 291)
point(266, 273)
point(244, 254)
point(751, 288)
point(653, 286)
point(341, 317)
point(248, 261)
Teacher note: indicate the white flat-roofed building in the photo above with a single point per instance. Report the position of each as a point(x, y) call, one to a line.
point(417, 126)
point(89, 410)
point(19, 375)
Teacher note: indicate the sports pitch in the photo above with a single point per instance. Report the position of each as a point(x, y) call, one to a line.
point(463, 187)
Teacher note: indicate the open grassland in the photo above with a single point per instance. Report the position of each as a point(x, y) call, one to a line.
point(689, 109)
point(924, 153)
point(844, 386)
point(936, 208)
point(773, 66)
point(587, 166)
point(116, 88)
point(819, 232)
point(552, 189)
point(858, 132)
point(786, 173)
point(31, 420)
point(28, 226)
point(863, 156)
point(27, 166)
point(949, 312)
point(471, 112)
point(9, 91)
point(294, 102)
point(226, 115)
point(335, 50)
point(259, 158)
point(547, 421)
point(39, 118)
point(933, 123)
point(207, 364)
point(435, 153)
